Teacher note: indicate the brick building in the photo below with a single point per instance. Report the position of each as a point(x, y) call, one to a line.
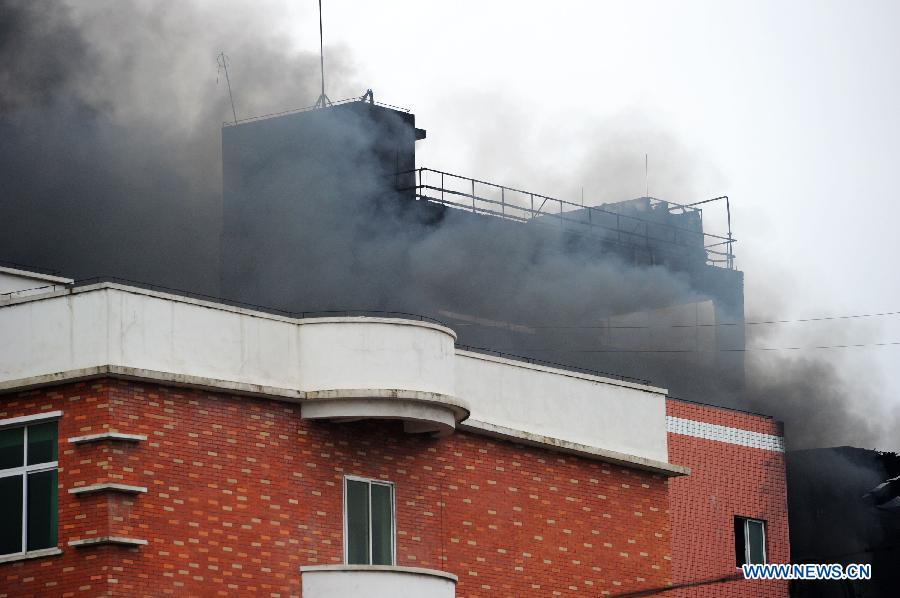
point(737, 475)
point(157, 444)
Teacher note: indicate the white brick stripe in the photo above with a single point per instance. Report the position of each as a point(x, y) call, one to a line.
point(689, 427)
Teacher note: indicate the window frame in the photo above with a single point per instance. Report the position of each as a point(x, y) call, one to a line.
point(23, 472)
point(745, 521)
point(370, 482)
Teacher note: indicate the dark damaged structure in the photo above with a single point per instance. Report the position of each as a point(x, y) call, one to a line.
point(844, 506)
point(326, 209)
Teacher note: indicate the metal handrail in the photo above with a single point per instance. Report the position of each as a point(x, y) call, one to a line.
point(504, 208)
point(309, 109)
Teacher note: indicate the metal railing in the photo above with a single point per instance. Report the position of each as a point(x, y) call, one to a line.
point(311, 108)
point(665, 234)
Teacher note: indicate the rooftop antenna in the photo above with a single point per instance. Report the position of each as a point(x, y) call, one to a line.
point(647, 175)
point(222, 61)
point(323, 100)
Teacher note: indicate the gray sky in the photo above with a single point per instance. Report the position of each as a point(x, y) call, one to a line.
point(790, 108)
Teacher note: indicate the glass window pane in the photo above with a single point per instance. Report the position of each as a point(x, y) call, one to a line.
point(357, 523)
point(12, 451)
point(757, 541)
point(41, 510)
point(740, 547)
point(11, 521)
point(382, 525)
point(42, 443)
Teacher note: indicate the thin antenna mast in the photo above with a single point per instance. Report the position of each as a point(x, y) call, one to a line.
point(222, 60)
point(647, 174)
point(323, 100)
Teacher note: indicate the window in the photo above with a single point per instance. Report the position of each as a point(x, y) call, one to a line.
point(749, 541)
point(28, 487)
point(368, 522)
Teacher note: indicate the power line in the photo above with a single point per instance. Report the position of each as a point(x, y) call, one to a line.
point(737, 577)
point(603, 326)
point(691, 584)
point(744, 350)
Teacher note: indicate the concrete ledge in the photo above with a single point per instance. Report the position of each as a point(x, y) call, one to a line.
point(420, 412)
point(130, 373)
point(382, 568)
point(116, 436)
point(221, 306)
point(36, 275)
point(459, 407)
point(29, 419)
point(564, 446)
point(114, 540)
point(110, 487)
point(31, 554)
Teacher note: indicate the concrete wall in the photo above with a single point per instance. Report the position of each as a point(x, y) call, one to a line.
point(618, 416)
point(112, 325)
point(348, 581)
point(67, 334)
point(15, 282)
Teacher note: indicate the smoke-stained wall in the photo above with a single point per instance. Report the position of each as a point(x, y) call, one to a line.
point(315, 218)
point(109, 129)
point(299, 192)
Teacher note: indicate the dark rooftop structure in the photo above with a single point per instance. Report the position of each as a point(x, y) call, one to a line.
point(303, 191)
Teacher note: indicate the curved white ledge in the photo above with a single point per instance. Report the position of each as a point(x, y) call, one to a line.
point(375, 581)
point(338, 368)
point(420, 412)
point(109, 325)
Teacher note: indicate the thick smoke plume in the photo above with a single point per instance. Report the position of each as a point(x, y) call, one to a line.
point(110, 164)
point(109, 128)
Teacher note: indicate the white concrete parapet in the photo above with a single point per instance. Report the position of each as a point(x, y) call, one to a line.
point(16, 283)
point(340, 369)
point(550, 402)
point(375, 581)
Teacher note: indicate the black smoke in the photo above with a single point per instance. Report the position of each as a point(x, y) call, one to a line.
point(110, 165)
point(109, 129)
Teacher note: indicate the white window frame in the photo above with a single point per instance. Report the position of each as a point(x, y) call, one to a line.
point(765, 535)
point(25, 422)
point(393, 489)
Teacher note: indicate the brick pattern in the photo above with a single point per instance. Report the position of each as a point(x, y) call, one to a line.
point(727, 480)
point(723, 417)
point(242, 492)
point(689, 427)
point(86, 573)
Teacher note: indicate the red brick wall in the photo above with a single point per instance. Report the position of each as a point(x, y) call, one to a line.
point(242, 492)
point(726, 480)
